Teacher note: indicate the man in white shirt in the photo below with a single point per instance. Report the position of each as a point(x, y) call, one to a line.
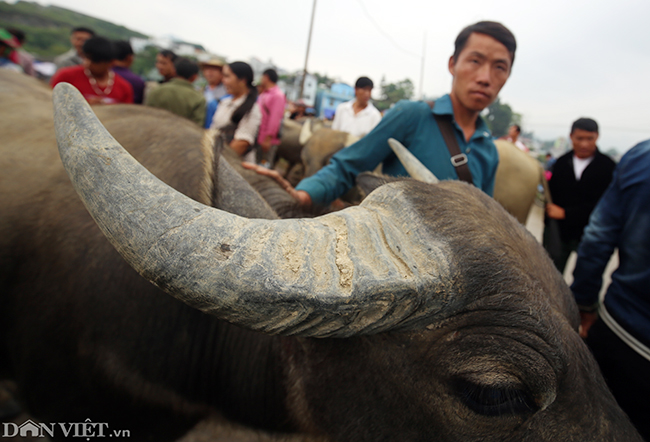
point(358, 116)
point(513, 136)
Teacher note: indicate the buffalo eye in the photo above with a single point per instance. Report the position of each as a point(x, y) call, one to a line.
point(494, 400)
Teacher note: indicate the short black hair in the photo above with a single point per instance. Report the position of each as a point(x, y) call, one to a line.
point(490, 28)
point(186, 68)
point(83, 29)
point(273, 76)
point(168, 54)
point(122, 49)
point(518, 127)
point(99, 49)
point(585, 124)
point(20, 35)
point(363, 82)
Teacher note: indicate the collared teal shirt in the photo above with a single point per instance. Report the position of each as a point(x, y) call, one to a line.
point(411, 123)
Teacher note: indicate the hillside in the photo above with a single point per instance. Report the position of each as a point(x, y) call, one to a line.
point(48, 27)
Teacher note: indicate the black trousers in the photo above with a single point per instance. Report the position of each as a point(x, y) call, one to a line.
point(626, 372)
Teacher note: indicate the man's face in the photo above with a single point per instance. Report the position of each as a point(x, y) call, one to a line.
point(165, 67)
point(584, 143)
point(265, 82)
point(481, 70)
point(213, 75)
point(362, 94)
point(78, 39)
point(97, 69)
point(513, 132)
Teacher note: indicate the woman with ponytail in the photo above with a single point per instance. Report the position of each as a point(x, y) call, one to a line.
point(238, 117)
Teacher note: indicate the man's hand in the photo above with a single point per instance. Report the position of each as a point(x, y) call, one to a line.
point(586, 321)
point(554, 211)
point(300, 195)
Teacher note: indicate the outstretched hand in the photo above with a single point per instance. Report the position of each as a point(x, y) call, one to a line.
point(300, 195)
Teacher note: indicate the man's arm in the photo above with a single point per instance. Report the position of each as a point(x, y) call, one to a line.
point(198, 115)
point(128, 96)
point(339, 175)
point(376, 118)
point(246, 130)
point(336, 122)
point(273, 106)
point(490, 178)
point(276, 113)
point(598, 242)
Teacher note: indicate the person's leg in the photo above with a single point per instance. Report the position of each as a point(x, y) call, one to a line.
point(626, 372)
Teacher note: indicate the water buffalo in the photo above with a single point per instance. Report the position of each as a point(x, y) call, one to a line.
point(93, 361)
point(295, 134)
point(425, 314)
point(517, 179)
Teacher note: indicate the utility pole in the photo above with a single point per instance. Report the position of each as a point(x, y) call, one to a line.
point(304, 72)
point(424, 46)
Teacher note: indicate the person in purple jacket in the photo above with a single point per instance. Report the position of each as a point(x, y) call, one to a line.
point(121, 66)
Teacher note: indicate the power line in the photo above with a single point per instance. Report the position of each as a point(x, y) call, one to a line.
point(385, 34)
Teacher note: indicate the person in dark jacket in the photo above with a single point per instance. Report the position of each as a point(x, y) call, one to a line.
point(580, 177)
point(620, 339)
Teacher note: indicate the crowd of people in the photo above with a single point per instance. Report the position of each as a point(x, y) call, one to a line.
point(250, 116)
point(597, 206)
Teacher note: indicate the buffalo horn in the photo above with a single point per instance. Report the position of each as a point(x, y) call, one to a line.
point(305, 132)
point(359, 271)
point(412, 165)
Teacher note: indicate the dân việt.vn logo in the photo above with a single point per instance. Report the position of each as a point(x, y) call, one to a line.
point(86, 429)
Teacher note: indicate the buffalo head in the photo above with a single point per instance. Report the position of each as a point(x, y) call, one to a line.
point(427, 313)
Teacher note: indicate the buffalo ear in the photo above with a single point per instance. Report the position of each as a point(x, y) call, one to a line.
point(369, 181)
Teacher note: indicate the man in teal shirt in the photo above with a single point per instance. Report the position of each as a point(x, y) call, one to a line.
point(412, 124)
point(481, 64)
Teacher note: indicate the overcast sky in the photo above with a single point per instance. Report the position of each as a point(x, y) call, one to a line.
point(574, 58)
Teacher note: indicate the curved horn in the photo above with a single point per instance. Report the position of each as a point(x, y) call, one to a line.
point(305, 132)
point(359, 271)
point(412, 165)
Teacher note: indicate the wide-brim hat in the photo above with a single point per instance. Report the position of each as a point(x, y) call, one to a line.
point(215, 62)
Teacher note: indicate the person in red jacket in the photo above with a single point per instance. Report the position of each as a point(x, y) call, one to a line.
point(94, 78)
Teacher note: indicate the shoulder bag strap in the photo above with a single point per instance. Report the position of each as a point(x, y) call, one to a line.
point(458, 159)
